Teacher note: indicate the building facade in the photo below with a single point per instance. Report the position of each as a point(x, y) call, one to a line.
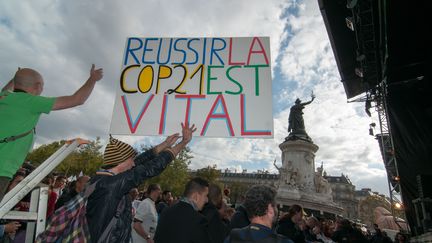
point(343, 191)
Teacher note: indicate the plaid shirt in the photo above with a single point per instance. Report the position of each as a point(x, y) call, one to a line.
point(69, 222)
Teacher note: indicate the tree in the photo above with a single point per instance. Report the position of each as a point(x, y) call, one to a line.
point(210, 173)
point(237, 191)
point(87, 158)
point(39, 155)
point(176, 175)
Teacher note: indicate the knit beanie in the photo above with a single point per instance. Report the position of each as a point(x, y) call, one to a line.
point(117, 152)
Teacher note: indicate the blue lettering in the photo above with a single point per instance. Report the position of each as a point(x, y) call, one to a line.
point(159, 52)
point(192, 49)
point(204, 50)
point(131, 50)
point(214, 50)
point(145, 49)
point(179, 50)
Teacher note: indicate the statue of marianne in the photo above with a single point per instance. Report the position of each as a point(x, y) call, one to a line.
point(296, 125)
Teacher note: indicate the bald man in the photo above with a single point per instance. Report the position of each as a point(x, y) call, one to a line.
point(20, 108)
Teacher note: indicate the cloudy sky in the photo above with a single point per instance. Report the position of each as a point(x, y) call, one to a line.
point(61, 39)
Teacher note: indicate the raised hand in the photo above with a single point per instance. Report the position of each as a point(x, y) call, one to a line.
point(187, 132)
point(187, 137)
point(96, 74)
point(169, 141)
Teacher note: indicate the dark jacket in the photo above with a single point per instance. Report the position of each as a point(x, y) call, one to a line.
point(110, 190)
point(240, 218)
point(65, 197)
point(255, 233)
point(289, 229)
point(161, 206)
point(180, 223)
point(216, 227)
point(349, 235)
point(379, 237)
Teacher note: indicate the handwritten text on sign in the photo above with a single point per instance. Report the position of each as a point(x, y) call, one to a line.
point(222, 85)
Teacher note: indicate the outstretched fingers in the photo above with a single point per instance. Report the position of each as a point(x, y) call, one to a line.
point(188, 131)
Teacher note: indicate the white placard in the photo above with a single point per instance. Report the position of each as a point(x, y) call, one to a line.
point(222, 85)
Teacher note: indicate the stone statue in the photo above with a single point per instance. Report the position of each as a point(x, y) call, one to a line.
point(321, 184)
point(296, 127)
point(287, 175)
point(283, 173)
point(293, 176)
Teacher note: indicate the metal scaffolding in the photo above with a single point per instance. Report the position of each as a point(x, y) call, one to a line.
point(372, 56)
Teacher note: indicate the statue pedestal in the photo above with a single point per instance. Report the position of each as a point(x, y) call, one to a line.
point(298, 181)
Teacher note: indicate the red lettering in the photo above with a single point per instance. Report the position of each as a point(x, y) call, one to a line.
point(230, 62)
point(262, 50)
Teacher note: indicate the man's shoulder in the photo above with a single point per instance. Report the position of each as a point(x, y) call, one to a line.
point(16, 97)
point(282, 239)
point(247, 234)
point(147, 200)
point(21, 95)
point(184, 211)
point(182, 205)
point(145, 204)
point(104, 179)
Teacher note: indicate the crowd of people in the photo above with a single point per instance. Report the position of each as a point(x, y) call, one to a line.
point(107, 207)
point(201, 214)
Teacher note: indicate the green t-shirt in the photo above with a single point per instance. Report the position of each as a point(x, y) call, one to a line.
point(19, 112)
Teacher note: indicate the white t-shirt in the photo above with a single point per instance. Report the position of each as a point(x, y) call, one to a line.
point(135, 204)
point(145, 212)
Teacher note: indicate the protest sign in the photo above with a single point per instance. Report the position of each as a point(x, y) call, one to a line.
point(222, 85)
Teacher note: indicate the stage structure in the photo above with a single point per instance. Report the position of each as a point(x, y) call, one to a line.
point(382, 49)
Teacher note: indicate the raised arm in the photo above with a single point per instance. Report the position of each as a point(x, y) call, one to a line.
point(167, 145)
point(274, 163)
point(187, 137)
point(307, 103)
point(150, 154)
point(169, 141)
point(82, 94)
point(9, 86)
point(149, 168)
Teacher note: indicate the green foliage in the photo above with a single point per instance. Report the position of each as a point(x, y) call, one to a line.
point(210, 173)
point(39, 155)
point(87, 158)
point(237, 190)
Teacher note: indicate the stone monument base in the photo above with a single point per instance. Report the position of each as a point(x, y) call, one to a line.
point(315, 201)
point(298, 181)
